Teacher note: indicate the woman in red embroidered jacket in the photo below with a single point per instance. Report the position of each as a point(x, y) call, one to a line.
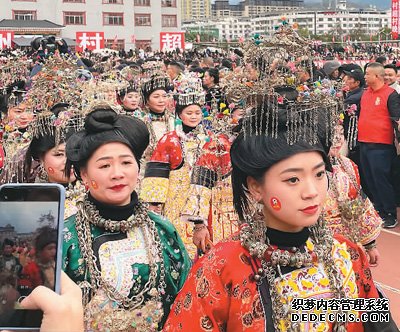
point(255, 281)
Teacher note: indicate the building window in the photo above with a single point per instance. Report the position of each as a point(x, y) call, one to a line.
point(142, 3)
point(74, 18)
point(113, 18)
point(75, 1)
point(168, 3)
point(143, 20)
point(169, 21)
point(24, 15)
point(113, 2)
point(115, 44)
point(143, 43)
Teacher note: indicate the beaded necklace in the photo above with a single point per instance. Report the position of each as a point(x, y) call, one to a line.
point(273, 258)
point(148, 119)
point(143, 310)
point(197, 136)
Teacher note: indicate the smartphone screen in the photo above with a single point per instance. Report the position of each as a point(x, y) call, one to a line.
point(31, 223)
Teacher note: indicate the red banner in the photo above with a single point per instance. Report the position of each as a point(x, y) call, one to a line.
point(171, 40)
point(89, 40)
point(6, 38)
point(395, 19)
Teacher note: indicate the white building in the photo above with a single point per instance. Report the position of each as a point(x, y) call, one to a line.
point(342, 21)
point(321, 22)
point(126, 23)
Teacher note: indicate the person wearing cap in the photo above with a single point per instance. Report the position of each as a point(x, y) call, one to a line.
point(377, 126)
point(331, 69)
point(128, 261)
point(354, 83)
point(348, 67)
point(391, 77)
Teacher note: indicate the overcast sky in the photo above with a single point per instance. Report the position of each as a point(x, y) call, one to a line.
point(24, 215)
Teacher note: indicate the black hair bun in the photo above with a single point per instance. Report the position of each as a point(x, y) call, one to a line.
point(100, 120)
point(16, 85)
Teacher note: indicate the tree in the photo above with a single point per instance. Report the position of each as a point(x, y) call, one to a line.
point(303, 32)
point(47, 220)
point(191, 36)
point(358, 33)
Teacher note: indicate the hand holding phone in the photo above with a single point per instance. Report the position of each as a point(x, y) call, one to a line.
point(31, 224)
point(62, 312)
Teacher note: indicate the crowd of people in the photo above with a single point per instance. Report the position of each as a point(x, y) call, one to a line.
point(206, 191)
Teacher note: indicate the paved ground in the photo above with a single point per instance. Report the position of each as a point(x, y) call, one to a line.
point(387, 273)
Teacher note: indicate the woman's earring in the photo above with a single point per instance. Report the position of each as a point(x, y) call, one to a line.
point(255, 217)
point(42, 174)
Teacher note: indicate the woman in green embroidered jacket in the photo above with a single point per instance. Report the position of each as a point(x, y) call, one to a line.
point(129, 262)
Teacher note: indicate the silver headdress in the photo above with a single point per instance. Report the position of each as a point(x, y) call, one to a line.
point(279, 91)
point(189, 90)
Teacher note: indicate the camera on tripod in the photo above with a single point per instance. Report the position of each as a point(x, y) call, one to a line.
point(49, 45)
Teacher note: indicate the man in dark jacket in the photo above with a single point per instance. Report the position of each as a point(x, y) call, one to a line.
point(354, 83)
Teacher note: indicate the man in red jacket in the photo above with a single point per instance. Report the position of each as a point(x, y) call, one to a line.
point(379, 115)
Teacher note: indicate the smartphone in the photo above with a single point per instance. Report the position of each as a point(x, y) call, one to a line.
point(31, 225)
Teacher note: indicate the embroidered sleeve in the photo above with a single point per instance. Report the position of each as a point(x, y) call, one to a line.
point(365, 283)
point(168, 150)
point(72, 261)
point(213, 165)
point(202, 304)
point(215, 157)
